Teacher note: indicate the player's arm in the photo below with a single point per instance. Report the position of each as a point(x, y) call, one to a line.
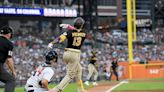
point(10, 64)
point(67, 26)
point(46, 78)
point(10, 61)
point(59, 39)
point(44, 84)
point(96, 65)
point(116, 64)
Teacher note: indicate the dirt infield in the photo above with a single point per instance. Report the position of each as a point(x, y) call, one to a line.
point(139, 91)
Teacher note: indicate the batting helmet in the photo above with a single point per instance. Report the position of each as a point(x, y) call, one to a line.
point(79, 22)
point(50, 56)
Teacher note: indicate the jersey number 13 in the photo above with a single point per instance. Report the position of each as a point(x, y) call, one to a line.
point(77, 41)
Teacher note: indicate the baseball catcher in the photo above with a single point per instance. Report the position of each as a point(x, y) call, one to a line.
point(38, 82)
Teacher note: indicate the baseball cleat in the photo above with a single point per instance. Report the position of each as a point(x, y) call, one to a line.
point(86, 83)
point(95, 83)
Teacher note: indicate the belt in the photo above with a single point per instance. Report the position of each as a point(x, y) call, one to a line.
point(73, 50)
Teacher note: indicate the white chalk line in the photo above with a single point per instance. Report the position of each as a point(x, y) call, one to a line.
point(122, 82)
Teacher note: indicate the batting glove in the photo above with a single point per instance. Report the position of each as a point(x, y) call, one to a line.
point(50, 45)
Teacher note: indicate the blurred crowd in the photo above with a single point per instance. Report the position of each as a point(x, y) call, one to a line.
point(31, 45)
point(144, 36)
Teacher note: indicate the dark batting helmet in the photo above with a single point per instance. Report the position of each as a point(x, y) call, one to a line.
point(79, 22)
point(50, 56)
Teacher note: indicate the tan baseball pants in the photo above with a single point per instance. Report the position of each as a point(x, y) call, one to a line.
point(74, 69)
point(92, 70)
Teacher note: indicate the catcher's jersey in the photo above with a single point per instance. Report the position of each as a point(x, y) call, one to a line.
point(75, 39)
point(39, 74)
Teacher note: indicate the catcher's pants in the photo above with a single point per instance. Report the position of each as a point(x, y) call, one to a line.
point(30, 88)
point(92, 70)
point(7, 78)
point(74, 69)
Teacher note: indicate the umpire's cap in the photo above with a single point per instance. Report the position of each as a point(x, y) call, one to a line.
point(79, 22)
point(50, 56)
point(6, 30)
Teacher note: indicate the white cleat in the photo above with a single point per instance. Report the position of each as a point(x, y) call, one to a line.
point(86, 83)
point(95, 83)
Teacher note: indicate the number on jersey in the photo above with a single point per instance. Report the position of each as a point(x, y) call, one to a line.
point(77, 41)
point(38, 71)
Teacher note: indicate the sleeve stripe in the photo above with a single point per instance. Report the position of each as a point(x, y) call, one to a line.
point(10, 53)
point(62, 38)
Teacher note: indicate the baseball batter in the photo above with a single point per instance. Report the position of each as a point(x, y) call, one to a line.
point(75, 38)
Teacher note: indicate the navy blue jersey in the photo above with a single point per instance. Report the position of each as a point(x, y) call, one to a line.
point(114, 64)
point(6, 48)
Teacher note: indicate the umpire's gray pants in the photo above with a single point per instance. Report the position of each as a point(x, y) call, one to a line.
point(7, 78)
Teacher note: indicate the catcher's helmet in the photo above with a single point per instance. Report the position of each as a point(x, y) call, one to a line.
point(79, 22)
point(6, 30)
point(50, 56)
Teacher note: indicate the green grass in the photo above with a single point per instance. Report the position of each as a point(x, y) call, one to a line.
point(143, 85)
point(70, 88)
point(157, 79)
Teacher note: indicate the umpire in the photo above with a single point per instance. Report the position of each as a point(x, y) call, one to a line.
point(113, 69)
point(6, 48)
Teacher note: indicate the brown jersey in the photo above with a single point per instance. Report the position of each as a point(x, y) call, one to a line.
point(93, 59)
point(75, 39)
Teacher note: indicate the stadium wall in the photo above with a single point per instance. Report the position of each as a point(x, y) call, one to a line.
point(153, 69)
